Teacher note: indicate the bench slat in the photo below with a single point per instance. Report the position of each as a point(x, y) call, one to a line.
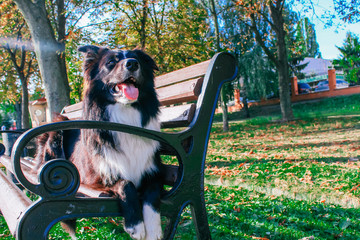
point(170, 179)
point(180, 92)
point(13, 202)
point(72, 108)
point(27, 166)
point(197, 70)
point(76, 115)
point(177, 116)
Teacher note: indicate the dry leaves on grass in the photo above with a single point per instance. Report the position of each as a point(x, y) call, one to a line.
point(222, 171)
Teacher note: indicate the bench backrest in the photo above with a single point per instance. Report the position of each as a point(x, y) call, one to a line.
point(175, 90)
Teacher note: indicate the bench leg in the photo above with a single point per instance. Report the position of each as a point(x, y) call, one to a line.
point(199, 216)
point(170, 229)
point(200, 219)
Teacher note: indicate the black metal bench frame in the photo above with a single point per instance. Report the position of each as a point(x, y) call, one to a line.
point(59, 179)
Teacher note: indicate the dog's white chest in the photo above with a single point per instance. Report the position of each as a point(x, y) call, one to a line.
point(133, 155)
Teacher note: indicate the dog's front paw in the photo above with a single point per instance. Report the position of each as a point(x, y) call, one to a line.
point(154, 234)
point(152, 222)
point(136, 232)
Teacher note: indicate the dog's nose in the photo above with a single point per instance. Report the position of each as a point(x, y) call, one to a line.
point(132, 65)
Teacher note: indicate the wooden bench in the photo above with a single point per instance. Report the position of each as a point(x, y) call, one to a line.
point(61, 195)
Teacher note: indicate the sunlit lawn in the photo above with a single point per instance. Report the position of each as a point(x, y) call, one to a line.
point(272, 180)
point(286, 181)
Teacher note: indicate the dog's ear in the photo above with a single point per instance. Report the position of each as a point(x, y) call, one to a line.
point(90, 51)
point(92, 56)
point(146, 59)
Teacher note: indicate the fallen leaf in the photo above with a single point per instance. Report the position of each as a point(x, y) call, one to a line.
point(338, 188)
point(355, 188)
point(241, 164)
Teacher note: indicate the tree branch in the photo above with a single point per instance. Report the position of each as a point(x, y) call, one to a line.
point(13, 58)
point(94, 24)
point(129, 17)
point(23, 58)
point(29, 72)
point(260, 41)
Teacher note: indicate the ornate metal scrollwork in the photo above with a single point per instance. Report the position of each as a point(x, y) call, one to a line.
point(58, 178)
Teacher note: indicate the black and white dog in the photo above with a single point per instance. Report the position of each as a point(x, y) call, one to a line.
point(119, 87)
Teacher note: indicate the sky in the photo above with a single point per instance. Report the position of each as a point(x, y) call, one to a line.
point(330, 37)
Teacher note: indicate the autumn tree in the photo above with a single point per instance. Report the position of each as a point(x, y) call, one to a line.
point(271, 13)
point(49, 49)
point(173, 32)
point(17, 60)
point(214, 11)
point(52, 24)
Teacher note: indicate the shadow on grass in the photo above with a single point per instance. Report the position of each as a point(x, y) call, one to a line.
point(304, 145)
point(236, 163)
point(235, 213)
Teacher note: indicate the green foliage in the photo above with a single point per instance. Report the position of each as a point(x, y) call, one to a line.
point(74, 67)
point(306, 39)
point(301, 40)
point(350, 58)
point(169, 31)
point(11, 25)
point(6, 114)
point(257, 72)
point(302, 43)
point(260, 80)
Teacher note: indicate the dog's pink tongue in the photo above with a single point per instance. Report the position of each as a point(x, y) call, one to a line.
point(130, 91)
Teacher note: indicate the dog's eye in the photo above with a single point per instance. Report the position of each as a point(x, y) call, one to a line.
point(111, 63)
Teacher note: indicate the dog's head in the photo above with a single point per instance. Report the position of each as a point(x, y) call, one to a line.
point(118, 76)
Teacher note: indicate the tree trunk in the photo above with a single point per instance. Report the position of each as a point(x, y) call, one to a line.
point(218, 49)
point(244, 101)
point(282, 63)
point(25, 120)
point(143, 24)
point(18, 114)
point(284, 92)
point(48, 52)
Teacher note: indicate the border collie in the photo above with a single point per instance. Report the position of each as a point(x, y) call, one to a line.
point(119, 87)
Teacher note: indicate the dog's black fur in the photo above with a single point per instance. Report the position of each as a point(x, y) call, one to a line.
point(118, 87)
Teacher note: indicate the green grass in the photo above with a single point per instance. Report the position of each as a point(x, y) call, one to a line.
point(343, 105)
point(237, 213)
point(271, 180)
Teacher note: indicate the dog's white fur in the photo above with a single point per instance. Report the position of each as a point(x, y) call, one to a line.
point(134, 155)
point(150, 229)
point(137, 232)
point(152, 222)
